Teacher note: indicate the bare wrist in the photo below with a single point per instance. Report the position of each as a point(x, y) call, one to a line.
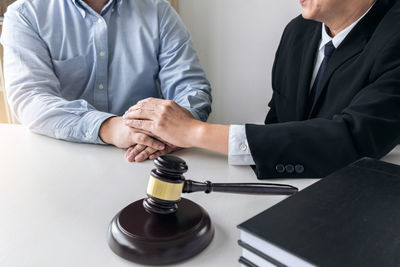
point(196, 134)
point(106, 130)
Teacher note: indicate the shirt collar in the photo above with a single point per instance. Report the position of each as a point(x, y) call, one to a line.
point(338, 39)
point(117, 4)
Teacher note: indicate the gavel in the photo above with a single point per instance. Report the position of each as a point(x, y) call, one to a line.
point(166, 184)
point(164, 228)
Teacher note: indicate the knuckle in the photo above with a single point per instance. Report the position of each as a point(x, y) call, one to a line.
point(161, 123)
point(157, 124)
point(154, 143)
point(164, 109)
point(138, 124)
point(140, 138)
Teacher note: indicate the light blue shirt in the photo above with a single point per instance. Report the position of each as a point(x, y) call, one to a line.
point(68, 68)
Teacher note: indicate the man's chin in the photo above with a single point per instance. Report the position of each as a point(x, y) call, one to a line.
point(308, 15)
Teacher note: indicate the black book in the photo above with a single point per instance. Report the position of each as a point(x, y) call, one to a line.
point(256, 257)
point(246, 262)
point(349, 218)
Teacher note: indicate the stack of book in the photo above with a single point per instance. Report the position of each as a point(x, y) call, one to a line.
point(349, 218)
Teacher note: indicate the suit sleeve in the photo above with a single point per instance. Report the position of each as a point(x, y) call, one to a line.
point(368, 126)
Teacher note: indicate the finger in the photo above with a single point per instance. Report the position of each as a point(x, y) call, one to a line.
point(167, 150)
point(144, 125)
point(148, 103)
point(136, 150)
point(147, 114)
point(145, 154)
point(128, 152)
point(146, 140)
point(156, 155)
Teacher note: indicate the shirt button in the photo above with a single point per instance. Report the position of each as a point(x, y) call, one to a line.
point(57, 134)
point(101, 86)
point(99, 21)
point(87, 134)
point(243, 147)
point(112, 10)
point(102, 54)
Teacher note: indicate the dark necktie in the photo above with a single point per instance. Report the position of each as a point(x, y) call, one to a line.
point(316, 88)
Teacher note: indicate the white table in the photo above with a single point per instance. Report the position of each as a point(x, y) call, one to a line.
point(57, 199)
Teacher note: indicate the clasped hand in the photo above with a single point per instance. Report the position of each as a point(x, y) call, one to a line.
point(163, 119)
point(139, 145)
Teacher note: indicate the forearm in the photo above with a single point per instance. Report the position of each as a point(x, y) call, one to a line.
point(53, 116)
point(214, 137)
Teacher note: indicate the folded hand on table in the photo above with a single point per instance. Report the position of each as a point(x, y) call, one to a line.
point(165, 120)
point(139, 144)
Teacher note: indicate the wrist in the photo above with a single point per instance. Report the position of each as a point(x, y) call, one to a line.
point(209, 136)
point(196, 133)
point(106, 131)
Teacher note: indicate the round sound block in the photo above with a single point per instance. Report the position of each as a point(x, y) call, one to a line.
point(143, 237)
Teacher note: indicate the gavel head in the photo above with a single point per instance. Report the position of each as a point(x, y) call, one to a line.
point(165, 185)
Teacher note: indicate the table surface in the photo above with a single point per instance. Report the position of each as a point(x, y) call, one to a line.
point(57, 200)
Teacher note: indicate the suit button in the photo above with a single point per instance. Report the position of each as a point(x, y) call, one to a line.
point(280, 168)
point(299, 168)
point(289, 168)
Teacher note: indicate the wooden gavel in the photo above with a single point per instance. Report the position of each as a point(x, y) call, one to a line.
point(154, 231)
point(167, 183)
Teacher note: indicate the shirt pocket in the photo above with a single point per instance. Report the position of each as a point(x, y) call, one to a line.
point(73, 76)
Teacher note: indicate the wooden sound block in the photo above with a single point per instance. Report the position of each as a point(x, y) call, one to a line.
point(154, 239)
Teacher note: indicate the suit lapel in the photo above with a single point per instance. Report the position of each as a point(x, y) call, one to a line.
point(306, 70)
point(352, 45)
point(343, 53)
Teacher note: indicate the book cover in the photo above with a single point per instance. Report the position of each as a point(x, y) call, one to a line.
point(349, 218)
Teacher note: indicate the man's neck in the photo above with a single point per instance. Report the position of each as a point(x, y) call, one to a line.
point(349, 15)
point(96, 5)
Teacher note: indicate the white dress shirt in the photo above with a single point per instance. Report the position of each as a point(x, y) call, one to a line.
point(239, 151)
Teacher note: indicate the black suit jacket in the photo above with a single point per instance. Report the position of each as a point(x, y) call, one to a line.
point(356, 115)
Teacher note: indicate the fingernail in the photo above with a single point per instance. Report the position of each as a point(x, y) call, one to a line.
point(139, 158)
point(161, 147)
point(128, 121)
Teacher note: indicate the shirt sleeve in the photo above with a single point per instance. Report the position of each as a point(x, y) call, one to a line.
point(33, 89)
point(181, 75)
point(238, 148)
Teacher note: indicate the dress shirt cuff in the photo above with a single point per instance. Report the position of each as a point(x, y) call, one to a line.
point(194, 113)
point(94, 120)
point(239, 151)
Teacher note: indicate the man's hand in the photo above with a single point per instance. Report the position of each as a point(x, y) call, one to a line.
point(141, 153)
point(164, 119)
point(114, 131)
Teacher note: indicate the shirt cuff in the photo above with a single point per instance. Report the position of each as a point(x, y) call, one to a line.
point(94, 120)
point(238, 148)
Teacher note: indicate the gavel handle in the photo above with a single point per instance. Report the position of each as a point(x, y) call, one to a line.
point(239, 188)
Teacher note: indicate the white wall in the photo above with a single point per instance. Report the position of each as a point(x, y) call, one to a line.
point(236, 41)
